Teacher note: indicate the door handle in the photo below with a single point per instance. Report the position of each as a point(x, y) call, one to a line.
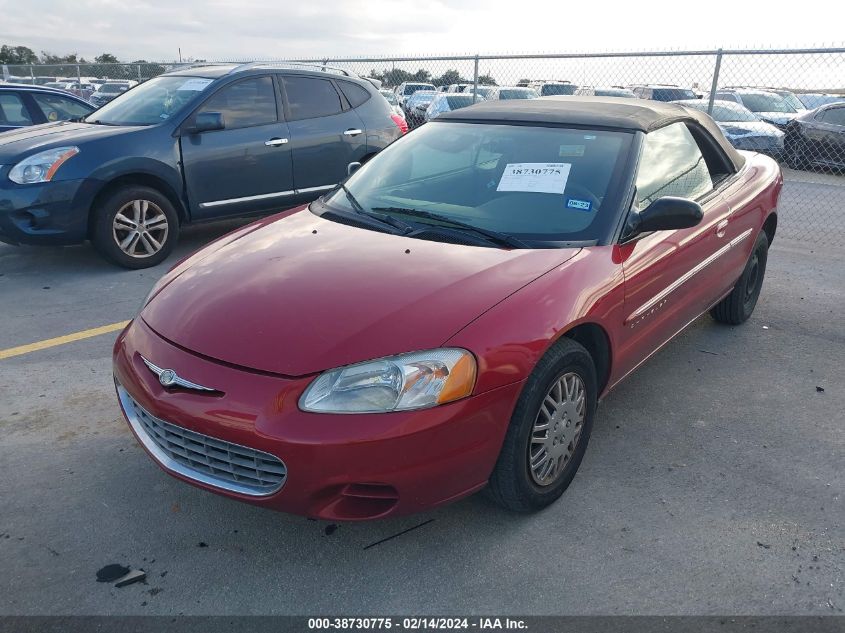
point(353, 132)
point(275, 142)
point(721, 228)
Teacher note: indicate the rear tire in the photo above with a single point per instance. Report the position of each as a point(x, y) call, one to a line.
point(738, 306)
point(567, 374)
point(135, 227)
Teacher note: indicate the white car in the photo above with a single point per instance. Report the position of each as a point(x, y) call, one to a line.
point(393, 101)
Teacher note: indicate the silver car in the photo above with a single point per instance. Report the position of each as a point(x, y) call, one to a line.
point(502, 93)
point(768, 105)
point(741, 127)
point(448, 101)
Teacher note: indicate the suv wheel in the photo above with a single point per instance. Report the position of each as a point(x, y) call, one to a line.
point(135, 227)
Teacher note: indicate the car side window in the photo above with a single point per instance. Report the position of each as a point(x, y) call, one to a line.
point(245, 103)
point(58, 108)
point(834, 116)
point(12, 110)
point(355, 95)
point(309, 97)
point(671, 164)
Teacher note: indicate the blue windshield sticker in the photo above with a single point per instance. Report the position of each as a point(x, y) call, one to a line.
point(581, 205)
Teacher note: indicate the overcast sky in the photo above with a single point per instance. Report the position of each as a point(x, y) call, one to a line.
point(238, 29)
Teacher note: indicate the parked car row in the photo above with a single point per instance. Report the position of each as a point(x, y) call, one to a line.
point(26, 105)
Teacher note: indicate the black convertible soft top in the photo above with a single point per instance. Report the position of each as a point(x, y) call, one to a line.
point(641, 115)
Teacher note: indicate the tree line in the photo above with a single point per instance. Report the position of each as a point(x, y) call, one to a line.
point(104, 65)
point(395, 76)
point(25, 55)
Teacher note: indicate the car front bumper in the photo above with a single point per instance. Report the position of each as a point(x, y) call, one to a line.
point(336, 467)
point(45, 213)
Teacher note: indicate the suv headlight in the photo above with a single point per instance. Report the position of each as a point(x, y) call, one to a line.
point(41, 167)
point(398, 383)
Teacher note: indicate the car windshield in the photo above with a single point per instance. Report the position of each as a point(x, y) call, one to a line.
point(548, 90)
point(518, 93)
point(613, 92)
point(533, 183)
point(766, 102)
point(152, 102)
point(792, 100)
point(412, 88)
point(672, 94)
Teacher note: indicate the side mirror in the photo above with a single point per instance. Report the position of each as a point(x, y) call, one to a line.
point(207, 122)
point(664, 214)
point(351, 168)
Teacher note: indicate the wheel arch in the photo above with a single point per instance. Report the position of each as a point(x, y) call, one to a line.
point(594, 338)
point(136, 178)
point(770, 226)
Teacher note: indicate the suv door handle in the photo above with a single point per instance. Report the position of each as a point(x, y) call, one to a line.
point(721, 228)
point(274, 142)
point(353, 132)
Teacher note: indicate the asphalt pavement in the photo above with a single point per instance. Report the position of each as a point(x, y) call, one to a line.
point(712, 484)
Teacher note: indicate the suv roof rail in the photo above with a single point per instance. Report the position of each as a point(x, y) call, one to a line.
point(292, 65)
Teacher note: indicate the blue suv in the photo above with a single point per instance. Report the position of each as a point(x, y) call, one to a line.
point(188, 146)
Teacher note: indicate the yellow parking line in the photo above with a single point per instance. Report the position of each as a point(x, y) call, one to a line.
point(61, 340)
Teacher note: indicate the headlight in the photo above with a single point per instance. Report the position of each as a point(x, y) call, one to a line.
point(398, 383)
point(42, 166)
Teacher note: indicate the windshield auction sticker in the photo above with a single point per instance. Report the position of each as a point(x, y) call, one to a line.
point(535, 177)
point(195, 84)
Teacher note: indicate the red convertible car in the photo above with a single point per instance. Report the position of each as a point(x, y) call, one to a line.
point(447, 318)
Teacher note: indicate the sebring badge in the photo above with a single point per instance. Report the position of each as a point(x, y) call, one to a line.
point(169, 378)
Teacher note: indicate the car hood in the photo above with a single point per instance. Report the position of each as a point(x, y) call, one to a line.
point(781, 118)
point(300, 294)
point(18, 143)
point(745, 128)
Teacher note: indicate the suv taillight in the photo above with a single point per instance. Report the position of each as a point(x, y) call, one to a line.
point(400, 123)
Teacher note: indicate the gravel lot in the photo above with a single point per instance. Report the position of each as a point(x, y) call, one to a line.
point(713, 483)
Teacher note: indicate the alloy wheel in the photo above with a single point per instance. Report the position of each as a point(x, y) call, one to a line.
point(140, 228)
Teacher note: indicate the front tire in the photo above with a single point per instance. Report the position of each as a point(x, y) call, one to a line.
point(795, 152)
point(737, 307)
point(548, 432)
point(135, 227)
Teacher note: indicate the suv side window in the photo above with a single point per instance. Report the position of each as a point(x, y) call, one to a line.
point(671, 164)
point(355, 94)
point(12, 110)
point(58, 108)
point(245, 103)
point(309, 97)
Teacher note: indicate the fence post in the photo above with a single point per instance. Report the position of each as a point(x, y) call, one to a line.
point(139, 73)
point(475, 81)
point(715, 83)
point(31, 74)
point(79, 78)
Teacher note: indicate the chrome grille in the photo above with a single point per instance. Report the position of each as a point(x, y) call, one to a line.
point(203, 458)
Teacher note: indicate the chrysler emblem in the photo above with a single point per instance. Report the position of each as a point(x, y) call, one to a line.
point(169, 378)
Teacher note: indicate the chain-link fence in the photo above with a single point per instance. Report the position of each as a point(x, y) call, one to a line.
point(789, 103)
